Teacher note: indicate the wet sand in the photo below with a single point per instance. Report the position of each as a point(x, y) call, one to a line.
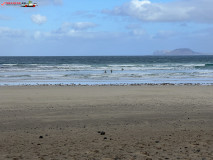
point(106, 122)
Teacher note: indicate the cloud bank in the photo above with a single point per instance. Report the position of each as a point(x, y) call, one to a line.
point(73, 29)
point(69, 30)
point(176, 11)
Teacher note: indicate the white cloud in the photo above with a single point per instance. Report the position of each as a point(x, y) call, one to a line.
point(138, 32)
point(179, 10)
point(38, 19)
point(80, 25)
point(6, 32)
point(85, 14)
point(74, 29)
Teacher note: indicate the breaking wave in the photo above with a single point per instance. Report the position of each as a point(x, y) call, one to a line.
point(110, 69)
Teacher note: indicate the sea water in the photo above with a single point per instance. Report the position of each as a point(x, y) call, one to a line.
point(95, 70)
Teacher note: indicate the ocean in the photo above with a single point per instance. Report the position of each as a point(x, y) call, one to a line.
point(96, 70)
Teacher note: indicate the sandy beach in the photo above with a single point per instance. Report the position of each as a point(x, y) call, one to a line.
point(106, 122)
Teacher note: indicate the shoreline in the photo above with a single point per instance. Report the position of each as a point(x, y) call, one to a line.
point(120, 84)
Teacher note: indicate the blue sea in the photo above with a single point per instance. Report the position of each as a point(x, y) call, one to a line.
point(96, 70)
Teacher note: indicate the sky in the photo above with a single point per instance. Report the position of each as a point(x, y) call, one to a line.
point(105, 27)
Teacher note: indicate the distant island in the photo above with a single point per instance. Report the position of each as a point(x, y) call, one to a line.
point(177, 52)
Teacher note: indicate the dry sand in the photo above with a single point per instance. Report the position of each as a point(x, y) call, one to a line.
point(140, 122)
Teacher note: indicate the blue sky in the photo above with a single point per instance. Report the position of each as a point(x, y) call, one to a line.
point(105, 27)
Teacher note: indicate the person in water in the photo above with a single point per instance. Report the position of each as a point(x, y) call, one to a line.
point(111, 70)
point(105, 71)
